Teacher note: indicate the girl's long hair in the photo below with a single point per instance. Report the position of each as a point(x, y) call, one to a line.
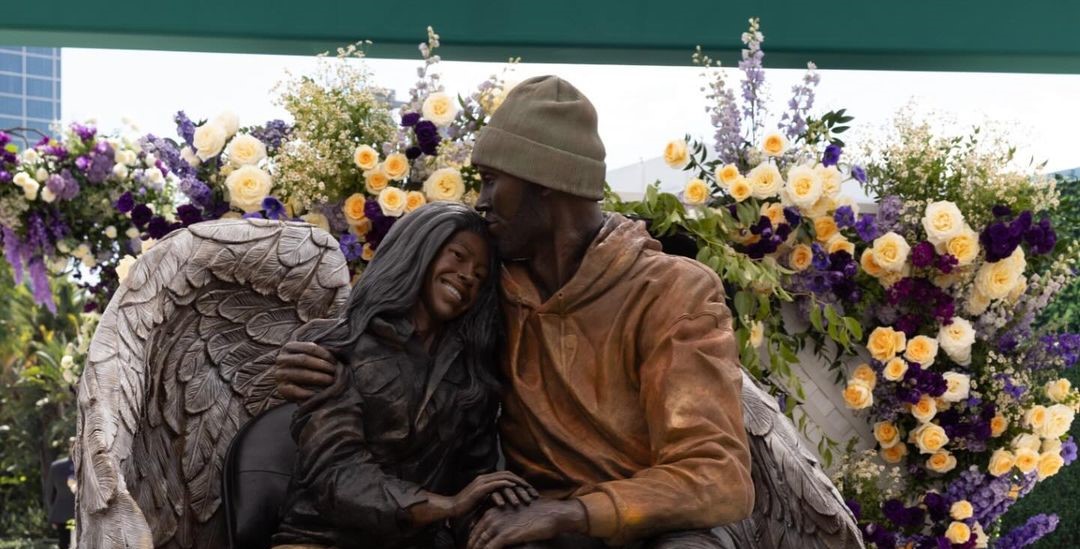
point(391, 285)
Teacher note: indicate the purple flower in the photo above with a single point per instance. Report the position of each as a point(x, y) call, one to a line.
point(274, 208)
point(63, 185)
point(1034, 529)
point(427, 137)
point(922, 255)
point(189, 214)
point(196, 191)
point(86, 133)
point(1041, 238)
point(140, 215)
point(410, 119)
point(82, 163)
point(1068, 450)
point(858, 173)
point(844, 217)
point(999, 241)
point(185, 128)
point(159, 227)
point(39, 282)
point(101, 163)
point(831, 156)
point(412, 153)
point(125, 203)
point(273, 134)
point(792, 216)
point(867, 228)
point(1001, 210)
point(946, 262)
point(350, 246)
point(793, 122)
point(821, 259)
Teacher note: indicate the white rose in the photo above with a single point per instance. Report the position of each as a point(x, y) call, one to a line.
point(248, 186)
point(190, 157)
point(831, 180)
point(439, 108)
point(229, 122)
point(154, 175)
point(246, 150)
point(996, 280)
point(765, 180)
point(1051, 446)
point(942, 221)
point(110, 232)
point(444, 184)
point(67, 361)
point(41, 175)
point(28, 185)
point(1026, 440)
point(132, 232)
point(956, 340)
point(124, 267)
point(803, 186)
point(1059, 418)
point(47, 195)
point(890, 251)
point(150, 159)
point(130, 157)
point(209, 140)
point(1058, 390)
point(30, 156)
point(120, 170)
point(976, 303)
point(958, 387)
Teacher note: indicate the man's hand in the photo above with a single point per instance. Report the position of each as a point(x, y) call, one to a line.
point(543, 519)
point(303, 368)
point(504, 488)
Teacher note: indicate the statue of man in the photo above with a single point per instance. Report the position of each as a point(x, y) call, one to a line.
point(623, 400)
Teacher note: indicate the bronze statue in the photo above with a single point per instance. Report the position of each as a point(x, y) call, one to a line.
point(623, 404)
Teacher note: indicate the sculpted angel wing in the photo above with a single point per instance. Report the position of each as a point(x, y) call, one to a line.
point(796, 505)
point(179, 362)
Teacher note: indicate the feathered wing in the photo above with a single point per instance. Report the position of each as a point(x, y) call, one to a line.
point(796, 505)
point(180, 360)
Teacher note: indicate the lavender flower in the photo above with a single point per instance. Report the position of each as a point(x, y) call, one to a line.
point(1034, 529)
point(86, 133)
point(63, 185)
point(753, 83)
point(185, 128)
point(273, 134)
point(13, 253)
point(888, 217)
point(858, 173)
point(196, 191)
point(793, 122)
point(39, 283)
point(1068, 450)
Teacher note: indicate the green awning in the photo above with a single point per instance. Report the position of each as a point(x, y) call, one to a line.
point(956, 35)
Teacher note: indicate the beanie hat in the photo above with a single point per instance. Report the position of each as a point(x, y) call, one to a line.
point(545, 133)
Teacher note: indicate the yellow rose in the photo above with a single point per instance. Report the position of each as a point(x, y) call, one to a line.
point(392, 201)
point(354, 208)
point(942, 221)
point(413, 200)
point(801, 257)
point(376, 180)
point(365, 158)
point(869, 265)
point(1035, 417)
point(696, 192)
point(996, 280)
point(886, 434)
point(1049, 465)
point(866, 375)
point(775, 144)
point(248, 186)
point(1059, 418)
point(245, 150)
point(775, 213)
point(941, 462)
point(891, 251)
point(757, 333)
point(1051, 445)
point(677, 154)
point(858, 396)
point(976, 303)
point(803, 186)
point(895, 369)
point(893, 454)
point(1058, 390)
point(824, 228)
point(831, 180)
point(317, 219)
point(961, 510)
point(922, 350)
point(958, 532)
point(367, 253)
point(839, 244)
point(884, 344)
point(727, 174)
point(360, 228)
point(444, 184)
point(925, 409)
point(765, 180)
point(1018, 290)
point(740, 190)
point(439, 108)
point(396, 166)
point(1001, 462)
point(1026, 460)
point(964, 246)
point(930, 438)
point(998, 424)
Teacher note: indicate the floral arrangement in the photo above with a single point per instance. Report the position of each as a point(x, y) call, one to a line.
point(963, 389)
point(72, 205)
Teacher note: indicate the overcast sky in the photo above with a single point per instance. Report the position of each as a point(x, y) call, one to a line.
point(640, 108)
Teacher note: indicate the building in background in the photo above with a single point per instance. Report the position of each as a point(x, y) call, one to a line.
point(29, 89)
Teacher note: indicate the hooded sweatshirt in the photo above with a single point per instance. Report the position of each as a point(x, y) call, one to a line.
point(625, 390)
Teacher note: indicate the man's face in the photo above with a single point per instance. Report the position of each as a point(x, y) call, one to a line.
point(515, 210)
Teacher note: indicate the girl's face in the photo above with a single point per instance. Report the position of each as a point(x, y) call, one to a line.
point(455, 276)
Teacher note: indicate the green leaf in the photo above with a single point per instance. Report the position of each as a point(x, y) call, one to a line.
point(744, 303)
point(815, 317)
point(854, 327)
